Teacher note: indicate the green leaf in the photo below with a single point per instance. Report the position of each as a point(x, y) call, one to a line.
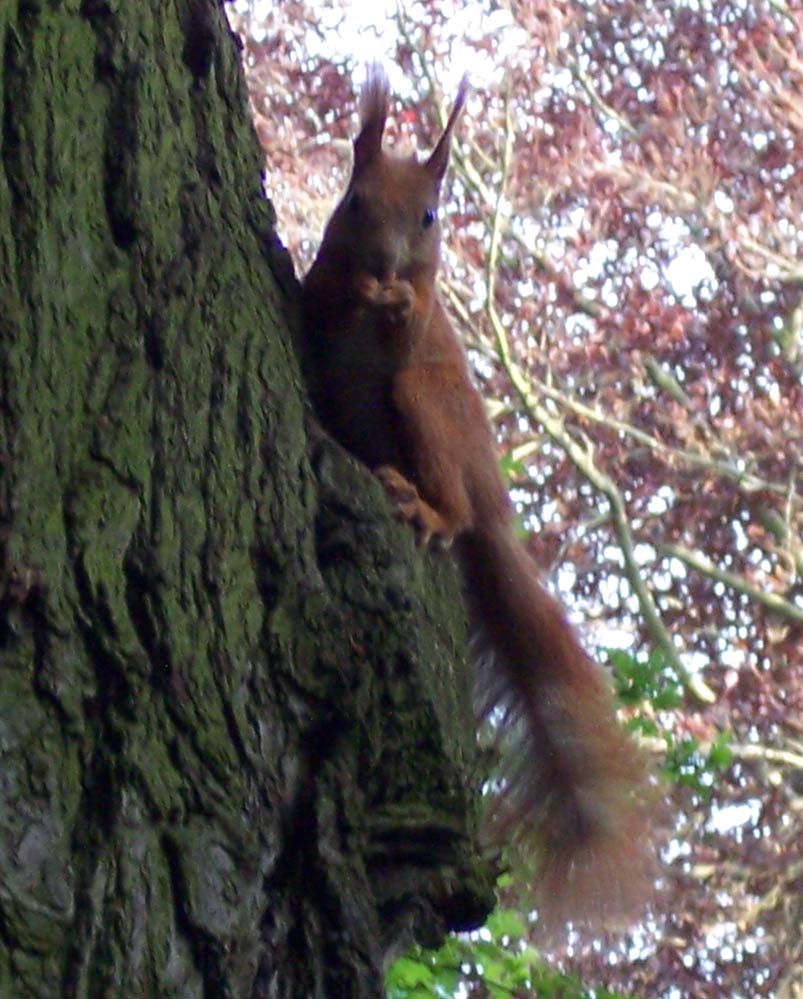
point(639, 678)
point(505, 923)
point(720, 755)
point(511, 468)
point(468, 963)
point(445, 981)
point(408, 973)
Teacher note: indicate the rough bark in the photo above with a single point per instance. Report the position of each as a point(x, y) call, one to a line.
point(236, 745)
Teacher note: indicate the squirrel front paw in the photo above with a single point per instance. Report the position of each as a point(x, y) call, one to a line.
point(394, 298)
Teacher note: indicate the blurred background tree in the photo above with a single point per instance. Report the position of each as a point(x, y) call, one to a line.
point(624, 262)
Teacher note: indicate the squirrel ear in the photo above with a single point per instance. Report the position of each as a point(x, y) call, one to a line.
point(374, 107)
point(439, 158)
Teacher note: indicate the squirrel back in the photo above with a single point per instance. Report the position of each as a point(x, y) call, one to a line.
point(390, 380)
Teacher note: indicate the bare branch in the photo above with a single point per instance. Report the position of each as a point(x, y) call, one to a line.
point(582, 460)
point(702, 564)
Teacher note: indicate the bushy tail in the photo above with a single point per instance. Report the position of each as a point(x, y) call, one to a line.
point(574, 791)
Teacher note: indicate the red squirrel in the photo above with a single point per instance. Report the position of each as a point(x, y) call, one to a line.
point(391, 382)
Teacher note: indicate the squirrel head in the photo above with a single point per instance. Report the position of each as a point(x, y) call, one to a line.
point(387, 221)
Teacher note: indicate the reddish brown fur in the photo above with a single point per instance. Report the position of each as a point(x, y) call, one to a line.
point(390, 380)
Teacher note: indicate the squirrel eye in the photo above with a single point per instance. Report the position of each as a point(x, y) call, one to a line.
point(354, 202)
point(429, 217)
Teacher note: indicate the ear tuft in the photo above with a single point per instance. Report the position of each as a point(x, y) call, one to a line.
point(439, 158)
point(374, 108)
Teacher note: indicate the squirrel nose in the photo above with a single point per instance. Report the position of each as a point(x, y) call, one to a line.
point(385, 275)
point(387, 264)
point(385, 268)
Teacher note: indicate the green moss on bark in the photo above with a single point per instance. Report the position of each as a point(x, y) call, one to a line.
point(235, 737)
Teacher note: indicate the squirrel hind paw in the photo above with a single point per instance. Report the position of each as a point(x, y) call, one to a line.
point(430, 527)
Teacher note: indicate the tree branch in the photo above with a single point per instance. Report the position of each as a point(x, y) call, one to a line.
point(702, 564)
point(582, 459)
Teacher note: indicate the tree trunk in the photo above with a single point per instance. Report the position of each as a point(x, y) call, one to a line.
point(236, 745)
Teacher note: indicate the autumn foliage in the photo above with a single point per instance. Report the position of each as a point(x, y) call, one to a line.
point(625, 264)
